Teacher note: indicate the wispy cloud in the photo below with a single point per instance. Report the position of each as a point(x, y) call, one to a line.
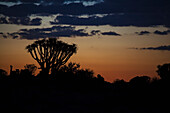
point(117, 19)
point(51, 32)
point(143, 33)
point(20, 21)
point(156, 32)
point(162, 32)
point(110, 33)
point(163, 48)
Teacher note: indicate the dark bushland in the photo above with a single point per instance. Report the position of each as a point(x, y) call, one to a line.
point(75, 90)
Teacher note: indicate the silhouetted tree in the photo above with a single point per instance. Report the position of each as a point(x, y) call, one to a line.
point(164, 71)
point(85, 74)
point(3, 74)
point(119, 83)
point(31, 68)
point(100, 78)
point(140, 81)
point(51, 53)
point(71, 68)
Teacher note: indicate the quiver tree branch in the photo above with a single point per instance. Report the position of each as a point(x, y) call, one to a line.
point(51, 54)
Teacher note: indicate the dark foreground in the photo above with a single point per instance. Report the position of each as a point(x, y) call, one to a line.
point(52, 96)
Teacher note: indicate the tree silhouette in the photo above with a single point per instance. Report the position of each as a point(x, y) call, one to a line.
point(85, 74)
point(31, 68)
point(164, 71)
point(3, 74)
point(100, 78)
point(71, 68)
point(51, 53)
point(139, 81)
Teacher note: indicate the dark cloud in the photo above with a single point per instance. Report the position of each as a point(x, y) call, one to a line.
point(120, 19)
point(20, 20)
point(20, 10)
point(19, 0)
point(98, 32)
point(52, 32)
point(95, 32)
point(51, 1)
point(162, 32)
point(156, 48)
point(157, 32)
point(3, 35)
point(3, 20)
point(110, 33)
point(34, 1)
point(36, 21)
point(126, 12)
point(106, 7)
point(2, 8)
point(27, 9)
point(143, 33)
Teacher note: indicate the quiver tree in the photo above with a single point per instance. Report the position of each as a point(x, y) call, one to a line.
point(51, 53)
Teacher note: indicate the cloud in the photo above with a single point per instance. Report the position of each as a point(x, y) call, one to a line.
point(110, 33)
point(157, 32)
point(43, 2)
point(95, 32)
point(84, 2)
point(119, 19)
point(106, 7)
point(143, 33)
point(3, 35)
point(20, 10)
point(156, 48)
point(51, 32)
point(98, 32)
point(162, 32)
point(27, 9)
point(20, 21)
point(141, 13)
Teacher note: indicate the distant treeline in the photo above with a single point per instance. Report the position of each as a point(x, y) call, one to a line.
point(73, 74)
point(76, 90)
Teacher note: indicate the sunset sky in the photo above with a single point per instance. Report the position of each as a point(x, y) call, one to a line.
point(119, 39)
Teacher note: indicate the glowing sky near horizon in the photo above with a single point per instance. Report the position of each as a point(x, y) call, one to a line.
point(109, 56)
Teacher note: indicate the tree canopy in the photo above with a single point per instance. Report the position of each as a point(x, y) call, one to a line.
point(51, 53)
point(164, 71)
